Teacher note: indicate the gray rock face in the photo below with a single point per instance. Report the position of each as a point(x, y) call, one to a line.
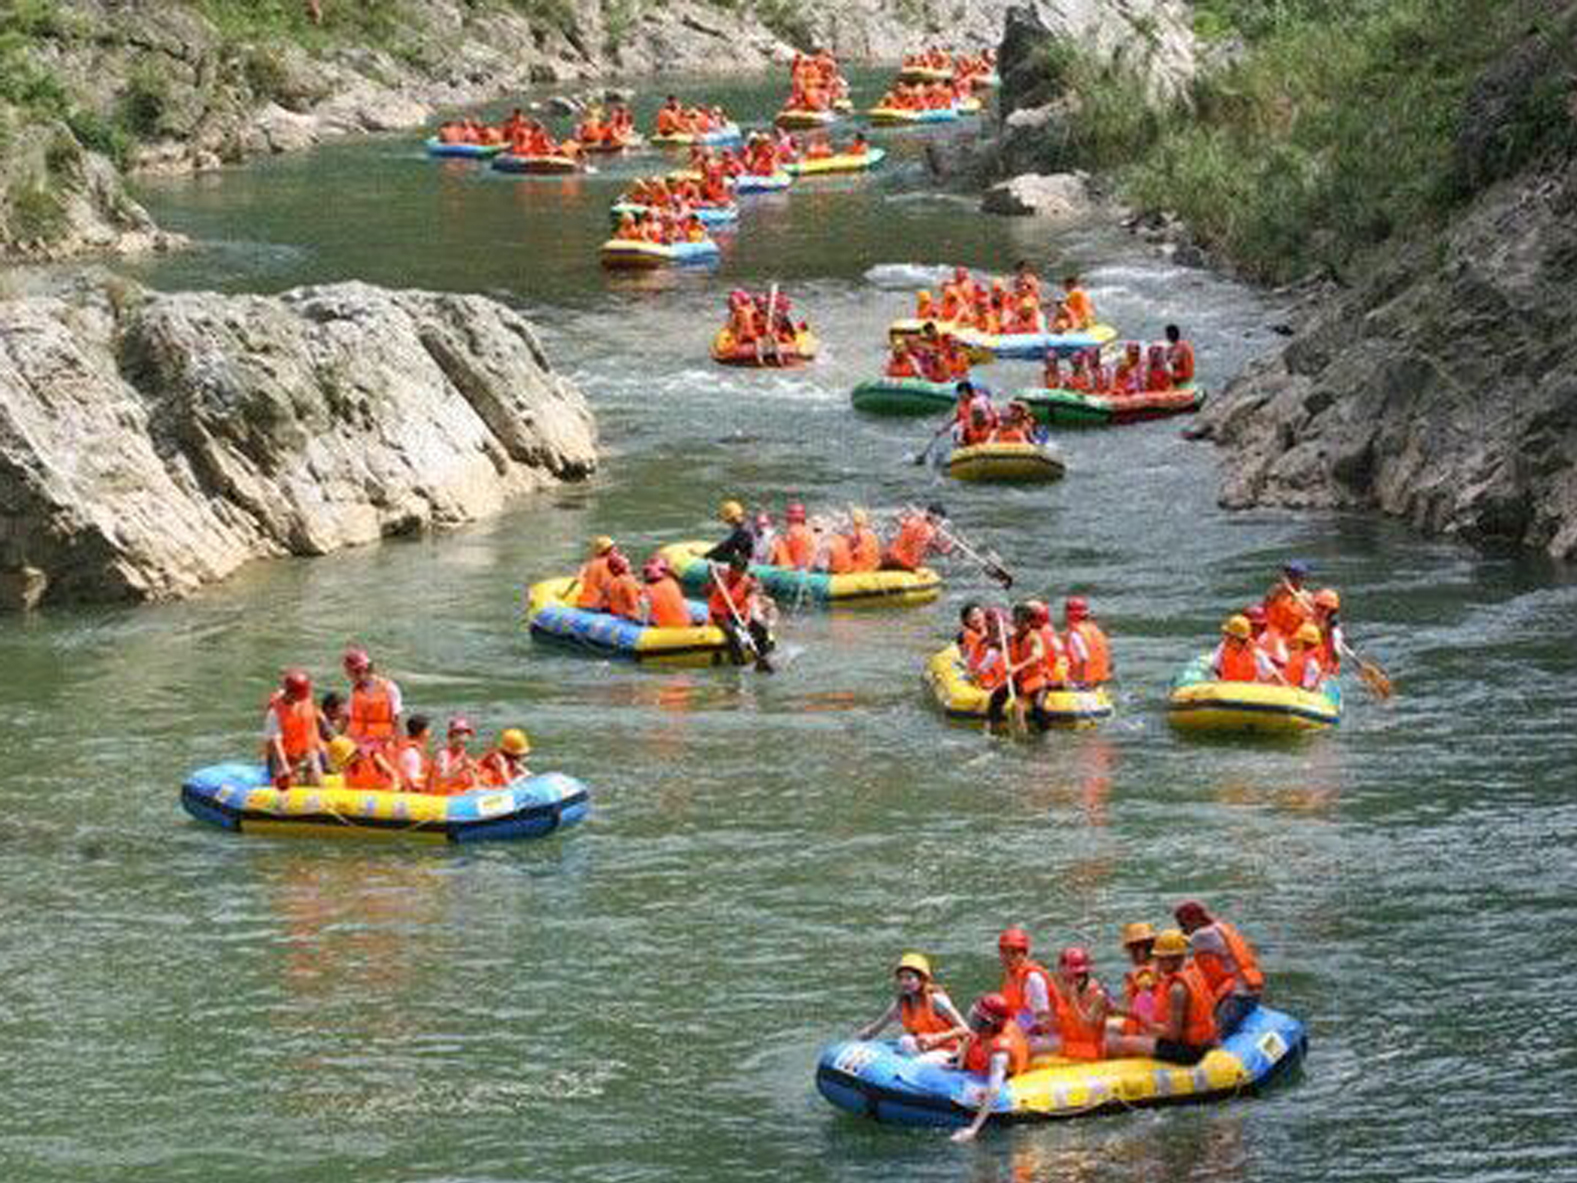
point(1061, 196)
point(150, 445)
point(1443, 390)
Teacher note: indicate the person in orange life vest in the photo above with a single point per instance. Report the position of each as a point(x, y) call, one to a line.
point(1014, 428)
point(1026, 666)
point(1099, 374)
point(507, 762)
point(858, 146)
point(954, 357)
point(1080, 1006)
point(1051, 372)
point(977, 431)
point(292, 744)
point(924, 305)
point(1288, 605)
point(455, 770)
point(669, 121)
point(839, 556)
point(1023, 316)
point(375, 703)
point(1327, 606)
point(965, 284)
point(954, 303)
point(1056, 659)
point(665, 603)
point(1226, 962)
point(333, 716)
point(971, 632)
point(361, 768)
point(1129, 378)
point(1080, 307)
point(1089, 653)
point(594, 577)
point(1139, 983)
point(1303, 670)
point(918, 536)
point(996, 1050)
point(411, 760)
point(1158, 376)
point(694, 230)
point(902, 364)
point(1026, 984)
point(796, 546)
point(1237, 658)
point(988, 670)
point(933, 1028)
point(624, 590)
point(1026, 282)
point(865, 548)
point(735, 604)
point(626, 230)
point(1184, 1028)
point(1179, 357)
point(1271, 643)
point(973, 403)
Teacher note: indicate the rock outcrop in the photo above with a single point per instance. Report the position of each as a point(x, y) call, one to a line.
point(151, 444)
point(1062, 197)
point(1441, 389)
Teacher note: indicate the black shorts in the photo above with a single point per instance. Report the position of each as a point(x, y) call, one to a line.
point(1173, 1052)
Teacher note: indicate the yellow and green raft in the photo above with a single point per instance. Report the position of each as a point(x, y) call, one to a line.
point(552, 617)
point(960, 698)
point(859, 589)
point(1199, 703)
point(1006, 463)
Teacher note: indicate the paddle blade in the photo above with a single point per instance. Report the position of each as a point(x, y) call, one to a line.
point(1375, 679)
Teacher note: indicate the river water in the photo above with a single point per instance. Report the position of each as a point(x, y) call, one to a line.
point(643, 998)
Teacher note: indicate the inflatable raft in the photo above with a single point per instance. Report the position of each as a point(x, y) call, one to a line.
point(925, 74)
point(873, 1080)
point(727, 352)
point(436, 147)
point(798, 117)
point(508, 162)
point(623, 254)
point(843, 163)
point(962, 699)
point(1073, 408)
point(552, 618)
point(905, 116)
point(758, 183)
point(633, 140)
point(861, 589)
point(241, 798)
point(710, 215)
point(1200, 704)
point(1006, 464)
point(726, 134)
point(904, 396)
point(1014, 346)
point(969, 106)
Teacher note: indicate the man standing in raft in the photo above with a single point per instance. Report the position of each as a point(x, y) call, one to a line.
point(918, 536)
point(1179, 357)
point(291, 739)
point(1226, 961)
point(735, 607)
point(375, 703)
point(741, 538)
point(1080, 307)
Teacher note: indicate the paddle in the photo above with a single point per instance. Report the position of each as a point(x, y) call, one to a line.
point(989, 563)
point(1018, 724)
point(1373, 675)
point(772, 325)
point(763, 666)
point(924, 453)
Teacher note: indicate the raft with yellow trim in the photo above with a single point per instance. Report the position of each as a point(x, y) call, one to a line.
point(961, 698)
point(726, 134)
point(1198, 703)
point(799, 117)
point(1017, 346)
point(508, 162)
point(633, 140)
point(1006, 464)
point(906, 116)
point(551, 617)
point(873, 1080)
point(925, 74)
point(633, 254)
point(1081, 408)
point(728, 352)
point(844, 162)
point(858, 589)
point(240, 797)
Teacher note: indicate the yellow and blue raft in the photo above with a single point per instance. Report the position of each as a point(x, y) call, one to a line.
point(1199, 703)
point(240, 797)
point(551, 617)
point(858, 589)
point(958, 696)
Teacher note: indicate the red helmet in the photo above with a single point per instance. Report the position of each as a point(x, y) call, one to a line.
point(993, 1008)
point(297, 685)
point(1255, 614)
point(357, 661)
point(1039, 614)
point(655, 569)
point(1076, 607)
point(1191, 914)
point(794, 513)
point(1075, 959)
point(1013, 938)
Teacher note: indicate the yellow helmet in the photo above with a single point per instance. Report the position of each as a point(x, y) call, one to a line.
point(859, 517)
point(731, 511)
point(341, 749)
point(1238, 626)
point(601, 544)
point(1138, 931)
point(918, 962)
point(1171, 943)
point(1309, 634)
point(514, 741)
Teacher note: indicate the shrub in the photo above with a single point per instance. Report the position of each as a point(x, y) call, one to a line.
point(37, 212)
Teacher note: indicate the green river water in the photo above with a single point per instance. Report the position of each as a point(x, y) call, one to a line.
point(643, 997)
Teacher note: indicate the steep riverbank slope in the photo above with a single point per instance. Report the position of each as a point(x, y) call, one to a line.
point(151, 444)
point(199, 83)
point(1416, 160)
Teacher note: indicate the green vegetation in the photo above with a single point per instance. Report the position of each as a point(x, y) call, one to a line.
point(1336, 129)
point(37, 213)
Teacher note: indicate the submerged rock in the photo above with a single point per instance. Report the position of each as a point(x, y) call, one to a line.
point(151, 444)
point(1062, 196)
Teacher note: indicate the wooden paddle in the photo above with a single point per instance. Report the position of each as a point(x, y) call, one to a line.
point(1371, 673)
point(924, 453)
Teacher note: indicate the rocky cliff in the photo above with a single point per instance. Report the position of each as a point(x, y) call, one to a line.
point(151, 444)
point(1442, 386)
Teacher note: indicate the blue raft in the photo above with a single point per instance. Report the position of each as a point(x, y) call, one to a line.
point(239, 797)
point(436, 147)
point(710, 215)
point(873, 1080)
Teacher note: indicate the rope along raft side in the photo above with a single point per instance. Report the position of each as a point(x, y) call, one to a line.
point(873, 1080)
point(1075, 408)
point(241, 798)
point(860, 589)
point(552, 618)
point(904, 396)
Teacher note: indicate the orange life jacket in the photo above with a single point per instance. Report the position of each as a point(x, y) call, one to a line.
point(990, 671)
point(1301, 665)
point(1181, 359)
point(453, 773)
point(1218, 979)
point(363, 772)
point(919, 1016)
point(1010, 434)
point(736, 590)
point(866, 549)
point(902, 366)
point(1017, 996)
point(971, 646)
point(1239, 662)
point(1081, 307)
point(795, 547)
point(1139, 985)
point(1286, 611)
point(624, 596)
point(418, 783)
point(493, 769)
point(1079, 1038)
point(593, 595)
point(298, 725)
point(980, 1049)
point(1199, 1028)
point(666, 600)
point(840, 555)
point(1096, 667)
point(1022, 648)
point(371, 713)
point(909, 549)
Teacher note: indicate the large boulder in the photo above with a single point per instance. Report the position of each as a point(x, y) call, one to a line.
point(152, 444)
point(1062, 196)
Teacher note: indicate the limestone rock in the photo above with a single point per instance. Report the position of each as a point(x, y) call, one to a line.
point(1062, 196)
point(151, 445)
